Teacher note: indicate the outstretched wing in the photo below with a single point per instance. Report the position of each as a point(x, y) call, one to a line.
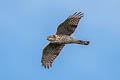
point(50, 52)
point(69, 25)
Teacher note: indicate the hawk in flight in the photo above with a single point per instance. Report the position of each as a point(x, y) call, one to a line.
point(62, 37)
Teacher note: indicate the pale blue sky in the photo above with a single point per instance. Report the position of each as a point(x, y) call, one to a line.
point(25, 24)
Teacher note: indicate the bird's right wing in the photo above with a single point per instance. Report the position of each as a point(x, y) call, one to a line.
point(50, 52)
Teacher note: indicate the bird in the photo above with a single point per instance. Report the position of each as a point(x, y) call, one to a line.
point(61, 38)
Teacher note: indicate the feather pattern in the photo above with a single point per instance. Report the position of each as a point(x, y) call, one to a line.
point(69, 25)
point(50, 52)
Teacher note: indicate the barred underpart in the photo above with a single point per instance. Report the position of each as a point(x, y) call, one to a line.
point(63, 39)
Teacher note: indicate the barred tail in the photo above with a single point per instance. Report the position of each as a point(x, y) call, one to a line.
point(82, 42)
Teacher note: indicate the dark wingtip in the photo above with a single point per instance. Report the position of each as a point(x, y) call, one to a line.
point(75, 13)
point(79, 14)
point(46, 66)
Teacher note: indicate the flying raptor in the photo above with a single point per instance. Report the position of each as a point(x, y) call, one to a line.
point(62, 37)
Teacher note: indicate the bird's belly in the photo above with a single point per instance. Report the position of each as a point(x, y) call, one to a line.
point(64, 40)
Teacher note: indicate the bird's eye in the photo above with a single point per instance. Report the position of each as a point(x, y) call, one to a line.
point(53, 36)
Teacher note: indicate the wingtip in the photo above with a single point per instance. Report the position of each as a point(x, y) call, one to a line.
point(46, 66)
point(80, 14)
point(74, 13)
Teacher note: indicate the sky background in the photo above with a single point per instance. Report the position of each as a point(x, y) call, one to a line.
point(25, 24)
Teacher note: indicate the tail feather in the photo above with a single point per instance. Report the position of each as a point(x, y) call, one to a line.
point(83, 42)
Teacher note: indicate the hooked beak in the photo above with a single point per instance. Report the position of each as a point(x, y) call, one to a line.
point(49, 38)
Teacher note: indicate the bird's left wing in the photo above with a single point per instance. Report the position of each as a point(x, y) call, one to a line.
point(69, 25)
point(50, 52)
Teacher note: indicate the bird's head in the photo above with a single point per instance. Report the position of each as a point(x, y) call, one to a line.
point(51, 38)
